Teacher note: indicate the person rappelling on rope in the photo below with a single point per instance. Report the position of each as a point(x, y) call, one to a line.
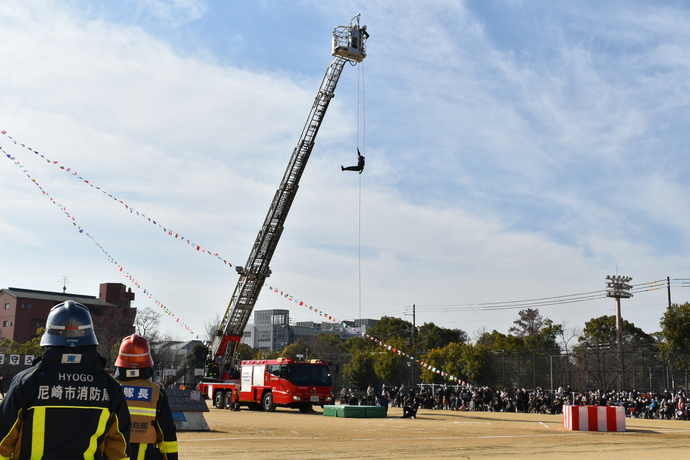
point(359, 167)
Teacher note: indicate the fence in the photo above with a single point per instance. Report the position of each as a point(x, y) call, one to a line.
point(606, 369)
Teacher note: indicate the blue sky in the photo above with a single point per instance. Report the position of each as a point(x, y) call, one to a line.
point(515, 150)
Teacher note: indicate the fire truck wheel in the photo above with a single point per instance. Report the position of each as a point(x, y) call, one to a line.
point(229, 401)
point(219, 399)
point(305, 408)
point(267, 402)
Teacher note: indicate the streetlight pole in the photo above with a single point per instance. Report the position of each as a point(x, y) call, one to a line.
point(617, 287)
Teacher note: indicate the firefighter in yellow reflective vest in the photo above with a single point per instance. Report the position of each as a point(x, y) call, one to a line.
point(153, 434)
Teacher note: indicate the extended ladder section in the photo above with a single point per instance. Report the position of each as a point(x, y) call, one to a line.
point(348, 46)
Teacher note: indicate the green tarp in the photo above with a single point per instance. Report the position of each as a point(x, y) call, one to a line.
point(355, 411)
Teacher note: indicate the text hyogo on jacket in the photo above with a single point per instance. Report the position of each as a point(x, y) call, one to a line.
point(75, 377)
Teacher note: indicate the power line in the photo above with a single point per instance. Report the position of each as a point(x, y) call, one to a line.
point(547, 301)
point(513, 304)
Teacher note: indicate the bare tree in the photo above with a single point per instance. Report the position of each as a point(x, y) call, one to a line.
point(477, 334)
point(147, 322)
point(567, 334)
point(211, 327)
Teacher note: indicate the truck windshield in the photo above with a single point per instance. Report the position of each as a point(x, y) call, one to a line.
point(310, 374)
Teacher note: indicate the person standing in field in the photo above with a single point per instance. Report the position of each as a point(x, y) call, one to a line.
point(66, 406)
point(153, 435)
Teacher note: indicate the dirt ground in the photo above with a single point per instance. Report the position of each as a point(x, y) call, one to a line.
point(289, 434)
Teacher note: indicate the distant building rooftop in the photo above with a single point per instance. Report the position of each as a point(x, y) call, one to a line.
point(58, 297)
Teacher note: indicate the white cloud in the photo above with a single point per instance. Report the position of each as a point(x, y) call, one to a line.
point(493, 173)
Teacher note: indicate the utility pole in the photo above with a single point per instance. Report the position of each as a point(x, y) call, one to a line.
point(413, 321)
point(414, 325)
point(410, 364)
point(414, 330)
point(617, 287)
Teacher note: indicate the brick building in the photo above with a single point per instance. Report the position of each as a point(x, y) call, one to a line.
point(24, 311)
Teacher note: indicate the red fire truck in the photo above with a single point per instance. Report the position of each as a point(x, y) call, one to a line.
point(265, 384)
point(269, 383)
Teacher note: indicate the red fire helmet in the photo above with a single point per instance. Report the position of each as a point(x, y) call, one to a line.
point(134, 353)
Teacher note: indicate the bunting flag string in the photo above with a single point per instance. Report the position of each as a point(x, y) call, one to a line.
point(387, 347)
point(112, 260)
point(131, 210)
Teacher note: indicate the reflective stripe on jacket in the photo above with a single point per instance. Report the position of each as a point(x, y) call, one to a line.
point(60, 410)
point(142, 399)
point(155, 411)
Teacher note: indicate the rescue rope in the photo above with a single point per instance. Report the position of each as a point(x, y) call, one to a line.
point(361, 107)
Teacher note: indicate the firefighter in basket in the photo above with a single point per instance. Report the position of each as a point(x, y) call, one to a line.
point(153, 434)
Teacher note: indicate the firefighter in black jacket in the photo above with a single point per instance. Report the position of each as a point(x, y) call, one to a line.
point(153, 434)
point(66, 405)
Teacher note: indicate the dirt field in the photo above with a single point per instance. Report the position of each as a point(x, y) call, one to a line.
point(288, 434)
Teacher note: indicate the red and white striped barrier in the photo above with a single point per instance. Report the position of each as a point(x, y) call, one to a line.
point(594, 418)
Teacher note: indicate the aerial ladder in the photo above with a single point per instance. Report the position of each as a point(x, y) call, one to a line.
point(349, 46)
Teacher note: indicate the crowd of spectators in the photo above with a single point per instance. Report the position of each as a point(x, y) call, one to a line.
point(663, 405)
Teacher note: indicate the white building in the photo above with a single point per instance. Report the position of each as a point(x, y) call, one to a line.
point(272, 331)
